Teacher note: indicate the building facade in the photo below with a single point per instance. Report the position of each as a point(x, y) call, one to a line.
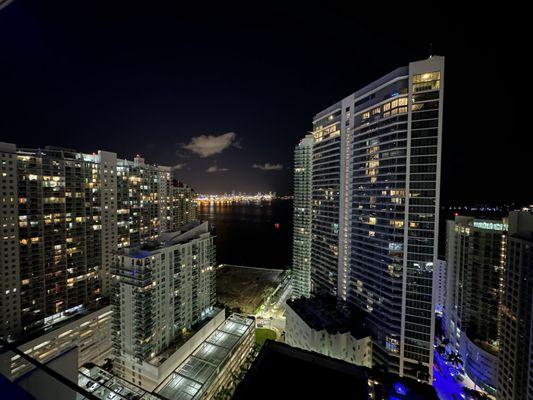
point(183, 208)
point(325, 192)
point(475, 258)
point(160, 290)
point(515, 369)
point(64, 215)
point(439, 286)
point(212, 365)
point(314, 326)
point(89, 335)
point(301, 249)
point(375, 209)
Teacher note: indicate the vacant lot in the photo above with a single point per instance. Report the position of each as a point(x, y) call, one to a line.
point(245, 288)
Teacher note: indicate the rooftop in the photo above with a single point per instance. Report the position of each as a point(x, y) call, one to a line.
point(186, 233)
point(306, 375)
point(105, 385)
point(179, 341)
point(200, 368)
point(326, 313)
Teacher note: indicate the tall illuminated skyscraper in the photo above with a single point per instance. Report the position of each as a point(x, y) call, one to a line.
point(159, 289)
point(475, 260)
point(183, 206)
point(301, 251)
point(325, 206)
point(63, 216)
point(375, 208)
point(515, 368)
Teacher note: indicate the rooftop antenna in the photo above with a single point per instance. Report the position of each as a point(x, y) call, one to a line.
point(430, 50)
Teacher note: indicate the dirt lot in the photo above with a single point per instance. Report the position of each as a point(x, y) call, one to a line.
point(245, 288)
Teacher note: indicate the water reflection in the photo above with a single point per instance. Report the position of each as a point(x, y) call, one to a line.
point(251, 234)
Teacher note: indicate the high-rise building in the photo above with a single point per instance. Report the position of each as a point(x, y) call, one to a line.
point(475, 259)
point(63, 216)
point(515, 369)
point(159, 289)
point(439, 286)
point(325, 178)
point(301, 249)
point(183, 206)
point(375, 205)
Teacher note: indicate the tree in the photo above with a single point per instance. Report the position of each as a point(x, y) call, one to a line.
point(422, 372)
point(455, 359)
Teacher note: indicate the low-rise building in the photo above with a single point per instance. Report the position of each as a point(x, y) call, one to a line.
point(284, 372)
point(213, 363)
point(199, 369)
point(320, 324)
point(89, 334)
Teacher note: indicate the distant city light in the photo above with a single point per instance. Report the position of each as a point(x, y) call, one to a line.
point(235, 198)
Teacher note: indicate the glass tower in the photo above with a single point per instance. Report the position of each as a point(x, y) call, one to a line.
point(375, 202)
point(325, 200)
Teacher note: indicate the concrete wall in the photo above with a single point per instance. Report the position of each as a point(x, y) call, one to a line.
point(45, 387)
point(90, 335)
point(342, 346)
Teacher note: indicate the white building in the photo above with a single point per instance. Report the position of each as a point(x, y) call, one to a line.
point(439, 286)
point(160, 291)
point(213, 363)
point(375, 209)
point(316, 325)
point(301, 249)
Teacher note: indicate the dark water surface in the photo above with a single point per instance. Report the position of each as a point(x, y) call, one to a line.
point(247, 234)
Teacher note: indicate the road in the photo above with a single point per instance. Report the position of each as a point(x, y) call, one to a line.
point(447, 388)
point(272, 314)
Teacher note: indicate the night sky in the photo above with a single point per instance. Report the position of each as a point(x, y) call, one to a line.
point(223, 93)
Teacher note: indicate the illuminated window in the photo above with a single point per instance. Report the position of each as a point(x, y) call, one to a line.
point(397, 223)
point(426, 81)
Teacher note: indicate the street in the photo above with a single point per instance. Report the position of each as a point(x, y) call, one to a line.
point(272, 314)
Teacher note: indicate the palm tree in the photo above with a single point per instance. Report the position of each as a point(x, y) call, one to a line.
point(455, 359)
point(422, 372)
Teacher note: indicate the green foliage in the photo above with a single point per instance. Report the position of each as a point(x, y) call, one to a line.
point(262, 334)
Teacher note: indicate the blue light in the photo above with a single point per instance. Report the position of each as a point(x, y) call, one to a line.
point(394, 94)
point(400, 388)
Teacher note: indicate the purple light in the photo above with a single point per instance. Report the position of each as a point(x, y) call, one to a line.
point(400, 388)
